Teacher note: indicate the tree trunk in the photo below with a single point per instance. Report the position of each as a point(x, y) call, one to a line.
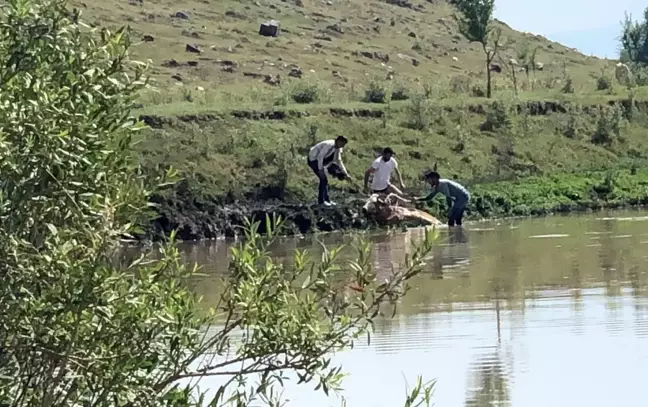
point(488, 78)
point(514, 75)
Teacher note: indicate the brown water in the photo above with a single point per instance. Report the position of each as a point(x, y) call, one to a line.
point(523, 313)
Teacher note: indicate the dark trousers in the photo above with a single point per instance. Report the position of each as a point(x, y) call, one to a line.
point(322, 194)
point(456, 212)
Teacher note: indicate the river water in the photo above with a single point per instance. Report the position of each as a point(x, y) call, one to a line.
point(523, 313)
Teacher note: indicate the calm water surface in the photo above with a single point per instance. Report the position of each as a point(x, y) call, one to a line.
point(523, 313)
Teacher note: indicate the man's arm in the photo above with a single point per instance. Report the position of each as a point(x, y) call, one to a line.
point(320, 160)
point(427, 198)
point(338, 160)
point(369, 171)
point(400, 178)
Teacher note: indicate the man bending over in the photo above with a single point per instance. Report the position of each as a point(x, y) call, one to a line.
point(456, 195)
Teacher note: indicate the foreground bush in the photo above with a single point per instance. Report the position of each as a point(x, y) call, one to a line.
point(78, 328)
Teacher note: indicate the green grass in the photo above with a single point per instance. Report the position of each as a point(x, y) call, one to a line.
point(239, 158)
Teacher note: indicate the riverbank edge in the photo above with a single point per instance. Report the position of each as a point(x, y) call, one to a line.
point(203, 219)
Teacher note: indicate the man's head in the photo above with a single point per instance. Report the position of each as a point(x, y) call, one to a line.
point(340, 141)
point(432, 177)
point(387, 154)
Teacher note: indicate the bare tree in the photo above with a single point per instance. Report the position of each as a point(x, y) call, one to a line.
point(476, 24)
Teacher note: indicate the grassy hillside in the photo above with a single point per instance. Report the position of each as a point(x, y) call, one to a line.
point(238, 125)
point(340, 44)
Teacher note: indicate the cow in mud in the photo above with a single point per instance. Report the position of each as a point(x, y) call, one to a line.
point(387, 210)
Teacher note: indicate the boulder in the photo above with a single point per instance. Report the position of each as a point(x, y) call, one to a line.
point(270, 29)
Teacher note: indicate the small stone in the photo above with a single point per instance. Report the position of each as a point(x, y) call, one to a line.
point(192, 63)
point(234, 14)
point(336, 28)
point(295, 72)
point(412, 34)
point(171, 63)
point(182, 14)
point(272, 80)
point(192, 48)
point(148, 38)
point(415, 62)
point(381, 57)
point(177, 77)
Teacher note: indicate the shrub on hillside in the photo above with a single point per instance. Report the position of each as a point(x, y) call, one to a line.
point(376, 93)
point(604, 82)
point(497, 117)
point(461, 84)
point(305, 93)
point(400, 93)
point(608, 124)
point(418, 113)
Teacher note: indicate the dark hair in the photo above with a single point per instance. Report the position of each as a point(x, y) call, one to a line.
point(388, 150)
point(431, 174)
point(342, 139)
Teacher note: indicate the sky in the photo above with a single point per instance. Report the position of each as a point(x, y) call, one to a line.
point(591, 26)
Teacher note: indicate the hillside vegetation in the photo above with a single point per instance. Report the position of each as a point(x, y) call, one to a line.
point(238, 117)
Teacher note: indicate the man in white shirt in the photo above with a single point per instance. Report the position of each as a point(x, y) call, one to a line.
point(381, 169)
point(327, 154)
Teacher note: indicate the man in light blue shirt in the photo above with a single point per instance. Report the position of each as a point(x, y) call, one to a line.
point(456, 195)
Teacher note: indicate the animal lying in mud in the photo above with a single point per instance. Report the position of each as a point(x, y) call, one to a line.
point(387, 210)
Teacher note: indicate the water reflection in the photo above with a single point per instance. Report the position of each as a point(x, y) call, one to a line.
point(490, 385)
point(522, 313)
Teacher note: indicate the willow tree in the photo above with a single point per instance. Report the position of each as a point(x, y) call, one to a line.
point(477, 25)
point(634, 40)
